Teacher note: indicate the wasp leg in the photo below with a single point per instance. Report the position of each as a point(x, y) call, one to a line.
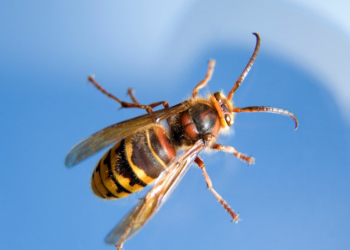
point(200, 163)
point(207, 78)
point(132, 95)
point(119, 247)
point(123, 237)
point(152, 105)
point(232, 150)
point(123, 104)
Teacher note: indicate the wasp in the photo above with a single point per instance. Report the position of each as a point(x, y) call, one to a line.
point(146, 150)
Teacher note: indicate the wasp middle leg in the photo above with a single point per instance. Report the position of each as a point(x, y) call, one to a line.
point(200, 163)
point(134, 104)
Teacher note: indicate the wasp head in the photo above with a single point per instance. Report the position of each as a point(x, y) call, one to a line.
point(224, 108)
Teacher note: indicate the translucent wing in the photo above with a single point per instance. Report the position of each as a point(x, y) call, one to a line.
point(116, 132)
point(155, 198)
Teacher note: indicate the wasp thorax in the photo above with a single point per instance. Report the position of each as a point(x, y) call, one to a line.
point(224, 108)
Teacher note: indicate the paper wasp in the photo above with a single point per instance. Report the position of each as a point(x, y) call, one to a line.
point(145, 150)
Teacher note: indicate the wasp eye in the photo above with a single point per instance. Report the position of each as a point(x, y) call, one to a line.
point(218, 97)
point(228, 119)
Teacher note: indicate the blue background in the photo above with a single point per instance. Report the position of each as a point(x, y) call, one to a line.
point(296, 196)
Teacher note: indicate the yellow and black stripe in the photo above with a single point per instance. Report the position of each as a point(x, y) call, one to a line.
point(133, 163)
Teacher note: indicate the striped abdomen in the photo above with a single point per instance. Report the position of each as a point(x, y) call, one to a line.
point(132, 163)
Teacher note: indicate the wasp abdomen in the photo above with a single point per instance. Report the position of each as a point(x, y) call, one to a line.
point(132, 163)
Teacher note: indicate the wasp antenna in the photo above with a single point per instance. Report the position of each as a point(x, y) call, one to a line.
point(269, 110)
point(247, 68)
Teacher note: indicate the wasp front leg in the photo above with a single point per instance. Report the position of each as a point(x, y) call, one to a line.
point(232, 150)
point(207, 78)
point(134, 104)
point(200, 163)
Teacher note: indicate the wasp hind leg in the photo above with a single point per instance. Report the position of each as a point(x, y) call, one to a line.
point(200, 163)
point(207, 78)
point(151, 106)
point(134, 104)
point(232, 150)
